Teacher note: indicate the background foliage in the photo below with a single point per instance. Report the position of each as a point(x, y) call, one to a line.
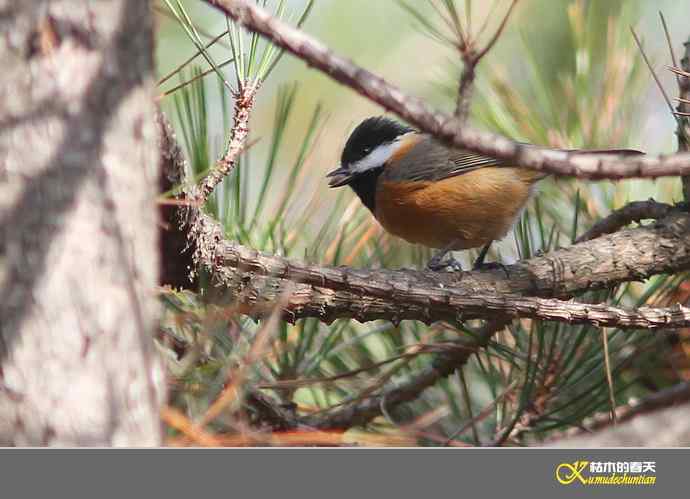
point(565, 73)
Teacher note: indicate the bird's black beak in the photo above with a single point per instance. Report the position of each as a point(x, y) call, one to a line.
point(339, 177)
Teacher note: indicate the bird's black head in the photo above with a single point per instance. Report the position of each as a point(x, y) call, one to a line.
point(367, 150)
point(369, 135)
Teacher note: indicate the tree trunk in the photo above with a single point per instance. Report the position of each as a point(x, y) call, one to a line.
point(78, 259)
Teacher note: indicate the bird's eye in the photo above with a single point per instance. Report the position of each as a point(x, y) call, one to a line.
point(367, 150)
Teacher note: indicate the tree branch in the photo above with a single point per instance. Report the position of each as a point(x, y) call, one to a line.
point(674, 395)
point(244, 103)
point(257, 281)
point(635, 211)
point(470, 59)
point(683, 120)
point(668, 427)
point(443, 126)
point(363, 411)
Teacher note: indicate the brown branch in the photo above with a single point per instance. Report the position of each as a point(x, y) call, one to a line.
point(470, 59)
point(256, 281)
point(443, 366)
point(244, 103)
point(674, 395)
point(195, 78)
point(661, 428)
point(635, 211)
point(176, 249)
point(190, 59)
point(683, 108)
point(442, 125)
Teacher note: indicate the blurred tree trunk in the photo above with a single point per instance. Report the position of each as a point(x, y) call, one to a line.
point(78, 259)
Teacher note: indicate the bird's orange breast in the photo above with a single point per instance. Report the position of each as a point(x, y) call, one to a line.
point(468, 210)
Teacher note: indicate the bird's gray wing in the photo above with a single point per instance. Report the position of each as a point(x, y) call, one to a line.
point(429, 160)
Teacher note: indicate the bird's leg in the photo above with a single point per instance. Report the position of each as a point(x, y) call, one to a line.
point(437, 263)
point(480, 265)
point(479, 262)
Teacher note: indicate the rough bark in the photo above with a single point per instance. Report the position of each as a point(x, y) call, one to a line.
point(257, 282)
point(683, 131)
point(78, 260)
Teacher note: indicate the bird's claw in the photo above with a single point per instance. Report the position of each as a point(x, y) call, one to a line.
point(491, 266)
point(438, 265)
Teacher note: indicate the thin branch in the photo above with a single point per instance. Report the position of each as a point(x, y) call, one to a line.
point(609, 378)
point(165, 12)
point(677, 394)
point(683, 131)
point(196, 54)
point(678, 71)
point(244, 103)
point(631, 212)
point(297, 383)
point(662, 428)
point(498, 32)
point(443, 366)
point(442, 125)
point(470, 59)
point(669, 43)
point(486, 412)
point(651, 70)
point(192, 80)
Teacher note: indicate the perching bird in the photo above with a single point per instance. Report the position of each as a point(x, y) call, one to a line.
point(426, 193)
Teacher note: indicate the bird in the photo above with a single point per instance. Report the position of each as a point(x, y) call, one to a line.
point(427, 193)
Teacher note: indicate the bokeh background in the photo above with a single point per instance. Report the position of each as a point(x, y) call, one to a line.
point(565, 73)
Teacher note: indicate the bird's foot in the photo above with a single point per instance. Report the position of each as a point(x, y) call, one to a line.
point(437, 265)
point(491, 266)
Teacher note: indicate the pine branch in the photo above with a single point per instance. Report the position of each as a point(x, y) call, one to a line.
point(257, 281)
point(447, 128)
point(470, 58)
point(363, 411)
point(635, 211)
point(244, 103)
point(662, 428)
point(683, 120)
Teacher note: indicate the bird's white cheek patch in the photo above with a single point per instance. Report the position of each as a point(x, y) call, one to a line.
point(376, 158)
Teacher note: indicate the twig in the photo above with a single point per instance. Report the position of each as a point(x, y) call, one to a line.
point(175, 419)
point(244, 103)
point(483, 414)
point(609, 378)
point(683, 108)
point(678, 71)
point(443, 366)
point(498, 32)
point(196, 54)
point(470, 59)
point(468, 404)
point(631, 212)
point(672, 52)
point(662, 428)
point(201, 30)
point(197, 77)
point(651, 70)
point(676, 394)
point(442, 125)
point(297, 383)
